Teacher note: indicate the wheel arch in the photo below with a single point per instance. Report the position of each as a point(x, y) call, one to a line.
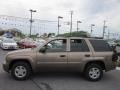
point(20, 60)
point(99, 62)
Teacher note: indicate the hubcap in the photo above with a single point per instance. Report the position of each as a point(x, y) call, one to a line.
point(20, 71)
point(94, 73)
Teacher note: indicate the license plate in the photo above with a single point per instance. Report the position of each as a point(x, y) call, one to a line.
point(11, 47)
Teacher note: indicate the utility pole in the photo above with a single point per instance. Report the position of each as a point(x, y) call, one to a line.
point(59, 17)
point(31, 20)
point(77, 25)
point(92, 28)
point(71, 12)
point(104, 26)
point(108, 34)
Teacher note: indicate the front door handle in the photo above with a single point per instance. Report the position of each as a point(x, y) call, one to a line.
point(62, 55)
point(87, 55)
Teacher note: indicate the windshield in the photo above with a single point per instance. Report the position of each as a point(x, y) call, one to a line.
point(8, 41)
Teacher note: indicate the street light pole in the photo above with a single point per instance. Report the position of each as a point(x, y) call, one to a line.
point(92, 28)
point(31, 20)
point(77, 25)
point(59, 17)
point(104, 26)
point(108, 34)
point(71, 24)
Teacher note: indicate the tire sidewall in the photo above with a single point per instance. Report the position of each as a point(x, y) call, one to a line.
point(86, 73)
point(25, 65)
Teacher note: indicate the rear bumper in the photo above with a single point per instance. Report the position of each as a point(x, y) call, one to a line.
point(111, 66)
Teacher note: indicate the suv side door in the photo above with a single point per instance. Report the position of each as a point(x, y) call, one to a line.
point(55, 55)
point(79, 53)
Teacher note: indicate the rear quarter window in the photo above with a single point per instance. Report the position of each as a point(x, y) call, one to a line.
point(100, 45)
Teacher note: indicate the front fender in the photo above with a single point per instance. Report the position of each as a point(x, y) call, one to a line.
point(31, 60)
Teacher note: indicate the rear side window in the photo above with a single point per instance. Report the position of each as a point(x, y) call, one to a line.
point(100, 45)
point(78, 45)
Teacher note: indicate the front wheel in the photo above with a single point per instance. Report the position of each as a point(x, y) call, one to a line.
point(93, 72)
point(21, 71)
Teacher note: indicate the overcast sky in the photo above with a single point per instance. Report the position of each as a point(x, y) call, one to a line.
point(87, 11)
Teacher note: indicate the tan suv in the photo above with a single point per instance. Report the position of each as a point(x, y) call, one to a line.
point(90, 56)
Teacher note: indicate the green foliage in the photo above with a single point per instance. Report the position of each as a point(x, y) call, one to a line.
point(51, 34)
point(76, 34)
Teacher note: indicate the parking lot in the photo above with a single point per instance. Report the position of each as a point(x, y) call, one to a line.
point(58, 81)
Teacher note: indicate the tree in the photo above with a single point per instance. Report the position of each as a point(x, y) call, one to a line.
point(76, 34)
point(51, 34)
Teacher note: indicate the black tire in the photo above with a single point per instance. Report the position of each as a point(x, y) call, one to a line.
point(89, 68)
point(26, 67)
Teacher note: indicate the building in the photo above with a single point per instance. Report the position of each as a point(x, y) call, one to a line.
point(11, 32)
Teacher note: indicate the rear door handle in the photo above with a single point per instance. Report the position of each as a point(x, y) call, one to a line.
point(87, 55)
point(62, 55)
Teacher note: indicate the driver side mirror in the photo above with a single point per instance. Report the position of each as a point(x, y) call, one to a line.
point(43, 49)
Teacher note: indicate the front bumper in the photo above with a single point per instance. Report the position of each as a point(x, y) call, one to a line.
point(6, 67)
point(10, 47)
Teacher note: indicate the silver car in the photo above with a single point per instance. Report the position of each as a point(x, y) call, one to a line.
point(8, 43)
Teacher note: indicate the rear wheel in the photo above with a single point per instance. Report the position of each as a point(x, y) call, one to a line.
point(21, 71)
point(93, 72)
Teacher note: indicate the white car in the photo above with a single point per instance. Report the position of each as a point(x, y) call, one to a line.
point(112, 43)
point(0, 41)
point(8, 43)
point(40, 42)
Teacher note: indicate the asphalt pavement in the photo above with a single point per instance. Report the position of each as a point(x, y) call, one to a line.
point(58, 81)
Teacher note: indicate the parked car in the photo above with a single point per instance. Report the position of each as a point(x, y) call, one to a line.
point(86, 55)
point(8, 43)
point(0, 41)
point(40, 41)
point(27, 43)
point(118, 44)
point(112, 43)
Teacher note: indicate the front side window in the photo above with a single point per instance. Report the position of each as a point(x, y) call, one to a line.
point(78, 45)
point(56, 46)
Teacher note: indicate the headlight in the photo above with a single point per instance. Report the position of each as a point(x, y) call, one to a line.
point(5, 45)
point(4, 62)
point(6, 59)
